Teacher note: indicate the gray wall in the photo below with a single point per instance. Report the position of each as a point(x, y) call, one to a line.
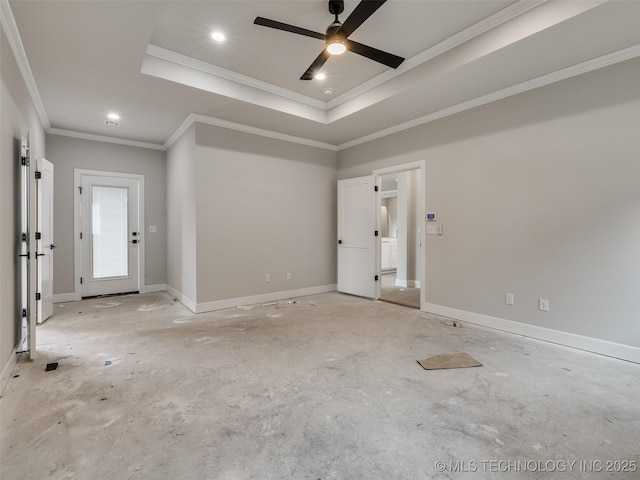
point(263, 206)
point(181, 215)
point(18, 119)
point(66, 154)
point(539, 195)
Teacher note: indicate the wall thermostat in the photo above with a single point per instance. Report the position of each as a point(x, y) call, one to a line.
point(431, 217)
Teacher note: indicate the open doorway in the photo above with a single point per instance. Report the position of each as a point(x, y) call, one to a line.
point(400, 210)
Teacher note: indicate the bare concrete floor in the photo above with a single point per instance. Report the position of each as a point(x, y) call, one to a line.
point(305, 391)
point(390, 292)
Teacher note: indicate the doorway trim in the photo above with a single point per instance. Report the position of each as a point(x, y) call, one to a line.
point(78, 173)
point(422, 166)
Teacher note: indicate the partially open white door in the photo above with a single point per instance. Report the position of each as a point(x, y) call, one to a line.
point(357, 247)
point(45, 246)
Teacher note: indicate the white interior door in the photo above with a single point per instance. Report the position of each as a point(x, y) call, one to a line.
point(45, 246)
point(110, 235)
point(357, 246)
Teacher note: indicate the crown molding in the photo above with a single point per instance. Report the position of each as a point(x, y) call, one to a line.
point(13, 36)
point(103, 138)
point(216, 122)
point(563, 74)
point(214, 70)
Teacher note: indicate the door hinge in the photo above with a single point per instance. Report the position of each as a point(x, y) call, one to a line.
point(375, 188)
point(80, 235)
point(81, 280)
point(24, 161)
point(38, 296)
point(24, 313)
point(24, 237)
point(376, 278)
point(38, 175)
point(80, 189)
point(375, 234)
point(38, 236)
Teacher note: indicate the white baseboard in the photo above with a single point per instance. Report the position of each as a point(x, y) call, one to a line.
point(66, 297)
point(186, 301)
point(161, 287)
point(262, 298)
point(7, 370)
point(589, 344)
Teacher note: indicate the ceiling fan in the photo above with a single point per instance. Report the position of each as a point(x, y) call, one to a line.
point(336, 36)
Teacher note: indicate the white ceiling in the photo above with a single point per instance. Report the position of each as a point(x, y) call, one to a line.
point(154, 63)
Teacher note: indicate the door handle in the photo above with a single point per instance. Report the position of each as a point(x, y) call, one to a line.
point(52, 246)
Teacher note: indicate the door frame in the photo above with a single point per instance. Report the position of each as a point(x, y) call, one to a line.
point(78, 173)
point(420, 165)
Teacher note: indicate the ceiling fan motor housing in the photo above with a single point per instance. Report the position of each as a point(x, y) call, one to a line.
point(332, 30)
point(336, 7)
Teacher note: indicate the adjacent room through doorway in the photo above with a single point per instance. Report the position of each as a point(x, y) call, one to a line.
point(400, 242)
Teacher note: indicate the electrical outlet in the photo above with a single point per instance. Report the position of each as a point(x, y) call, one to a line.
point(288, 275)
point(267, 277)
point(543, 304)
point(509, 298)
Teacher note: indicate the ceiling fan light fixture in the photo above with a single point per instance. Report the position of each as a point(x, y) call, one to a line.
point(336, 47)
point(320, 76)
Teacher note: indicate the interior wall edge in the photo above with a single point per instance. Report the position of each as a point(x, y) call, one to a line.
point(183, 299)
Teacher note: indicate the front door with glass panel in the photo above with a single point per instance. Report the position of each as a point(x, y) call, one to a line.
point(110, 235)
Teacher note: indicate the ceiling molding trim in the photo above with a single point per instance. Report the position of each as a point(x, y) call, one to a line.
point(475, 30)
point(175, 136)
point(202, 66)
point(178, 73)
point(216, 122)
point(103, 138)
point(563, 74)
point(13, 36)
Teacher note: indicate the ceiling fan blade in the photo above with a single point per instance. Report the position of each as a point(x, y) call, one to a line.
point(265, 22)
point(388, 59)
point(315, 66)
point(363, 10)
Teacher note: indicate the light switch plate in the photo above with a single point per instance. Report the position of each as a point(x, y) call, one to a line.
point(434, 229)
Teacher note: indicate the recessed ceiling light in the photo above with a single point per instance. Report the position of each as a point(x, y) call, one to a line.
point(328, 91)
point(113, 116)
point(218, 36)
point(320, 76)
